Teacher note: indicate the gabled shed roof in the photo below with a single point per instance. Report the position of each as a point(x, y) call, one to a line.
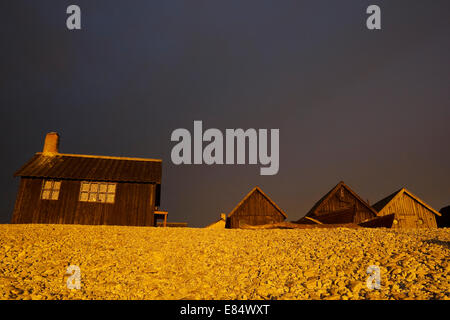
point(257, 189)
point(380, 205)
point(330, 193)
point(87, 167)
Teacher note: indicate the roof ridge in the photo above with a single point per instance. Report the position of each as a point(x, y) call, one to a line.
point(64, 166)
point(99, 157)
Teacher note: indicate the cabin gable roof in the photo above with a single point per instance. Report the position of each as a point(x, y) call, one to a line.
point(383, 203)
point(87, 167)
point(331, 193)
point(257, 189)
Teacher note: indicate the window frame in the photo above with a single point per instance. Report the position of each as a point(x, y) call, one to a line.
point(52, 190)
point(98, 192)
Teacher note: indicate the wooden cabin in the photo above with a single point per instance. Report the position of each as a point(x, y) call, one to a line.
point(340, 205)
point(444, 220)
point(407, 210)
point(256, 208)
point(84, 189)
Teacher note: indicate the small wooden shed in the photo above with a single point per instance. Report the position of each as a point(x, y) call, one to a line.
point(256, 208)
point(408, 210)
point(85, 189)
point(339, 206)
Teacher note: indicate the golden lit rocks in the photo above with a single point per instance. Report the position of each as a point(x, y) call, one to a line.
point(184, 263)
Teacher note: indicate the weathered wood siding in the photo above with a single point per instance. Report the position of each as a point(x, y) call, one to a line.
point(133, 206)
point(342, 200)
point(255, 210)
point(408, 213)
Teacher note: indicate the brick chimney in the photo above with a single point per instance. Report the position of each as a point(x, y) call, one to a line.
point(51, 144)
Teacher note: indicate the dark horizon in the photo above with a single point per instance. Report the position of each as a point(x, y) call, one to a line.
point(370, 108)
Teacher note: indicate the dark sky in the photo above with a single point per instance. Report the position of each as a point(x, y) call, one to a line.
point(371, 108)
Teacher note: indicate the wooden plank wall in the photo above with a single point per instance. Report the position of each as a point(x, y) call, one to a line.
point(408, 212)
point(347, 201)
point(255, 210)
point(133, 206)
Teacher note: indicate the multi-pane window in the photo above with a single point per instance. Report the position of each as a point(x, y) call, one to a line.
point(50, 189)
point(97, 192)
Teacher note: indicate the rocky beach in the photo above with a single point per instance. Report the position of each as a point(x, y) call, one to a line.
point(188, 263)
